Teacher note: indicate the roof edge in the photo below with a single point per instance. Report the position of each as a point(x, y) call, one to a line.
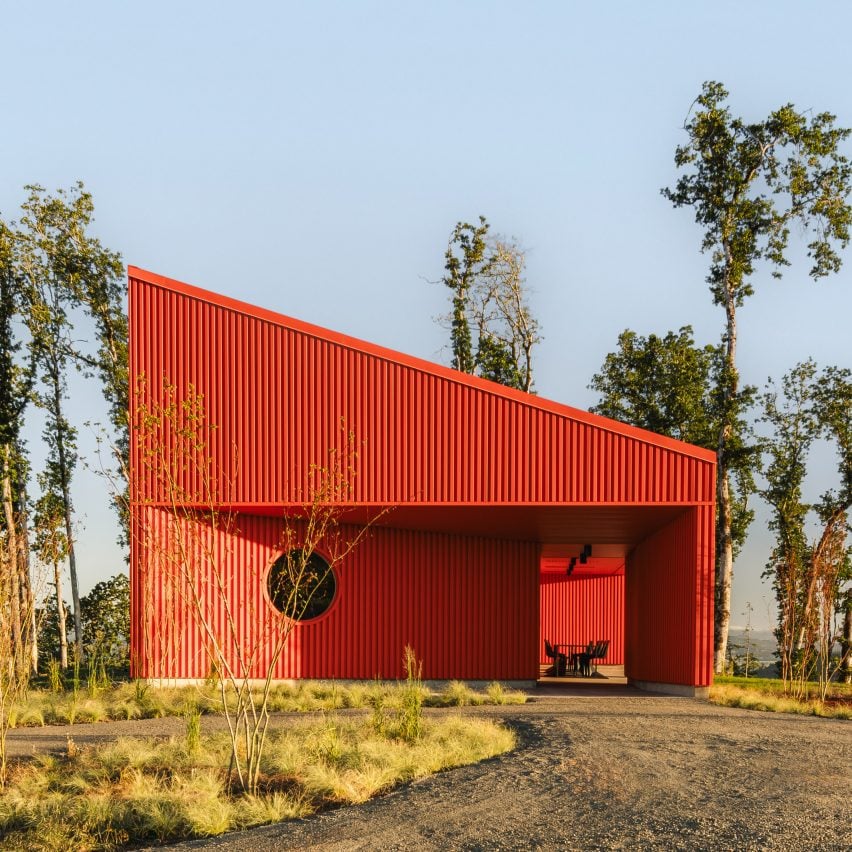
point(439, 370)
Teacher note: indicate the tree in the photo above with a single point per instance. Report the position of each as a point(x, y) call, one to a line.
point(660, 383)
point(17, 611)
point(811, 580)
point(793, 420)
point(184, 548)
point(465, 260)
point(15, 387)
point(668, 385)
point(748, 184)
point(63, 268)
point(834, 406)
point(16, 647)
point(103, 297)
point(106, 621)
point(49, 638)
point(492, 329)
point(51, 548)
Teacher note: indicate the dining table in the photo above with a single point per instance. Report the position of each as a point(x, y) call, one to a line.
point(572, 653)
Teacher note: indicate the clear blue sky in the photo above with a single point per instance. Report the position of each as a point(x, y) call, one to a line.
point(313, 159)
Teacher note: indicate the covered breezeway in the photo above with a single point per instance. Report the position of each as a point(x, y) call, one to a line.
point(645, 587)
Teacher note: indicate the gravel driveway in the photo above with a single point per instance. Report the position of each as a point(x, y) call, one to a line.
point(611, 769)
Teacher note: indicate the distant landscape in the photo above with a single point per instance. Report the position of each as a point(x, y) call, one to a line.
point(763, 647)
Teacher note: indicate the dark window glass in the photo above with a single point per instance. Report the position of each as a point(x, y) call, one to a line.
point(301, 588)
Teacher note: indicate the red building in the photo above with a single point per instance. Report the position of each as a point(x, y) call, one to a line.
point(491, 492)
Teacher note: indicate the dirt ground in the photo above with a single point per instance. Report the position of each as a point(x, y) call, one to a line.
point(612, 768)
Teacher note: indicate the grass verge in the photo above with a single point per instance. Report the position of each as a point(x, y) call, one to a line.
point(139, 701)
point(767, 695)
point(133, 790)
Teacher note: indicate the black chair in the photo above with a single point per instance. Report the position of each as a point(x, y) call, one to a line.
point(599, 654)
point(560, 661)
point(583, 660)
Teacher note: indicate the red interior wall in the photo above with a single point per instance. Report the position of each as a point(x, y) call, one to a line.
point(467, 605)
point(669, 603)
point(580, 610)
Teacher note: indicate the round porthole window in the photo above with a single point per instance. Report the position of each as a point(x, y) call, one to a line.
point(301, 586)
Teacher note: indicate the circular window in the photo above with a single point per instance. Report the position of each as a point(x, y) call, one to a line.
point(301, 586)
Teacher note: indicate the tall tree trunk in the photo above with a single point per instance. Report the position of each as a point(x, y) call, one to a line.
point(60, 617)
point(724, 569)
point(724, 514)
point(72, 570)
point(12, 551)
point(28, 607)
point(846, 642)
point(64, 479)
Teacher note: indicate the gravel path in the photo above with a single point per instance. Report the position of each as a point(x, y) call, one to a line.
point(623, 770)
point(606, 769)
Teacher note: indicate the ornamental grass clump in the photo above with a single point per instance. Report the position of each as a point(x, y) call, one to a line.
point(771, 700)
point(121, 701)
point(459, 694)
point(192, 717)
point(133, 791)
point(410, 719)
point(496, 693)
point(139, 700)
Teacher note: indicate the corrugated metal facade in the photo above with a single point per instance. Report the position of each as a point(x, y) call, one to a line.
point(425, 436)
point(669, 603)
point(576, 611)
point(466, 605)
point(283, 393)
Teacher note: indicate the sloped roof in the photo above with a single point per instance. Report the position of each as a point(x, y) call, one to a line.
point(278, 387)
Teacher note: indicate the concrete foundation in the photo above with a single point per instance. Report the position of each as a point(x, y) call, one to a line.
point(671, 688)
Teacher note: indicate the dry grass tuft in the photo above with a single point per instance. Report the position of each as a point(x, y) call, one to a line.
point(496, 693)
point(459, 694)
point(772, 701)
point(135, 791)
point(128, 701)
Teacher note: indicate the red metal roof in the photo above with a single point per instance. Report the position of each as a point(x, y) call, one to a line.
point(278, 389)
point(421, 364)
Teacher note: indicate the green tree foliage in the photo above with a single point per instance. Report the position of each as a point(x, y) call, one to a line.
point(670, 386)
point(812, 580)
point(466, 258)
point(50, 546)
point(15, 379)
point(492, 329)
point(106, 622)
point(748, 184)
point(834, 403)
point(103, 297)
point(660, 383)
point(50, 632)
point(45, 261)
point(794, 426)
point(833, 397)
point(62, 269)
point(16, 604)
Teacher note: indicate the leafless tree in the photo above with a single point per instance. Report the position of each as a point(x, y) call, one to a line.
point(188, 540)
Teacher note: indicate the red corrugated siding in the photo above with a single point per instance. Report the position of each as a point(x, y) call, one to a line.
point(669, 603)
point(466, 605)
point(577, 611)
point(278, 396)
